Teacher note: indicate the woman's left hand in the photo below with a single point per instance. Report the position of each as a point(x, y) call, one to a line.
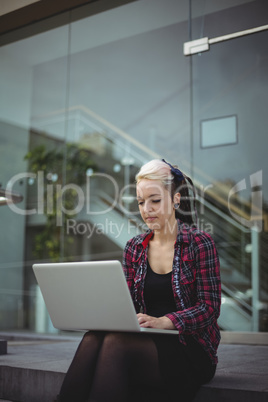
point(146, 321)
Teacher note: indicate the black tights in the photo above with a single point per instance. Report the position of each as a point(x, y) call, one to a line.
point(108, 366)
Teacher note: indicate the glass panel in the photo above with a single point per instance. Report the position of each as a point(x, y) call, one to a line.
point(25, 167)
point(229, 80)
point(86, 104)
point(126, 104)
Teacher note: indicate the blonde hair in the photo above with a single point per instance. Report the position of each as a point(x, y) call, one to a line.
point(155, 170)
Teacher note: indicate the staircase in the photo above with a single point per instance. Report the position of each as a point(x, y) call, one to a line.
point(109, 218)
point(232, 241)
point(243, 298)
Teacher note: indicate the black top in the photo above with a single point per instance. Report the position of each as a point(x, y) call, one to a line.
point(158, 294)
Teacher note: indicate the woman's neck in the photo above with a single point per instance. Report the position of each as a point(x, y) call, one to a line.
point(167, 234)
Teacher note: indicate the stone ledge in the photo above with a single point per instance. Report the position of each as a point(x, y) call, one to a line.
point(244, 338)
point(33, 371)
point(29, 385)
point(209, 393)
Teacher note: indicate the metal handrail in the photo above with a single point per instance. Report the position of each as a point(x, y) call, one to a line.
point(224, 216)
point(232, 294)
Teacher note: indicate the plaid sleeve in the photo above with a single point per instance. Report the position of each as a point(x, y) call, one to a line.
point(204, 308)
point(128, 266)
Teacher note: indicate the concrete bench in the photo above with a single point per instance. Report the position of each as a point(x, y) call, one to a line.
point(33, 370)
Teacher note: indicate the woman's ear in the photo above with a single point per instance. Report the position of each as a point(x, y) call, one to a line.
point(177, 198)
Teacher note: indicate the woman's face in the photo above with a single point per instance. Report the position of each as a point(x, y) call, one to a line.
point(155, 205)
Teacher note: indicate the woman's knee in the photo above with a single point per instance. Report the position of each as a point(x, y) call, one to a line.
point(127, 345)
point(122, 345)
point(117, 341)
point(92, 338)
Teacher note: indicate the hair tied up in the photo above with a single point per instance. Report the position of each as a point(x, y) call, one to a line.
point(185, 214)
point(175, 171)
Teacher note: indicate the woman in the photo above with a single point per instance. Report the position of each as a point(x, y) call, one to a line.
point(173, 276)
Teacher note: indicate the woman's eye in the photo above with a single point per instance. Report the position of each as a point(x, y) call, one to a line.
point(153, 201)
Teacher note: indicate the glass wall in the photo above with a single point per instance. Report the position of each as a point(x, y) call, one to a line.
point(229, 144)
point(86, 102)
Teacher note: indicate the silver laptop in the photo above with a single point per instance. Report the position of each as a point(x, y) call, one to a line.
point(86, 296)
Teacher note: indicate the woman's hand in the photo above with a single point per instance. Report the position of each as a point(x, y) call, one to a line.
point(146, 321)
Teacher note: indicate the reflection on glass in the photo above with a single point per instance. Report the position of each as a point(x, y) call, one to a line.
point(85, 107)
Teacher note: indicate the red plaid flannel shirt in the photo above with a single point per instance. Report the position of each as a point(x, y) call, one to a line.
point(195, 281)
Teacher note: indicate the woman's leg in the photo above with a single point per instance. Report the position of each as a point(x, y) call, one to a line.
point(78, 380)
point(126, 362)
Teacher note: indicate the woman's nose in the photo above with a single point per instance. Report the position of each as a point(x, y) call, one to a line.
point(148, 206)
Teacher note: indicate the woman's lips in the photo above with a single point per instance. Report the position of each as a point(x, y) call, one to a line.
point(150, 218)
